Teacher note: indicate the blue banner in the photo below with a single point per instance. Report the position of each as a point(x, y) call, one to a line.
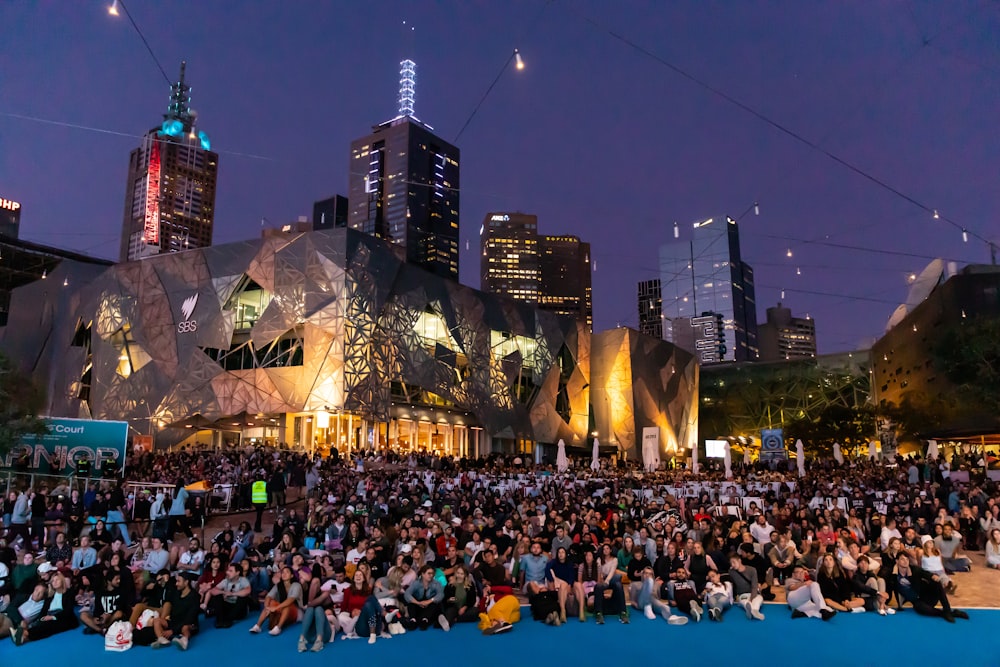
point(772, 444)
point(56, 452)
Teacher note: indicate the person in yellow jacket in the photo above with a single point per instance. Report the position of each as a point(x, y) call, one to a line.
point(500, 616)
point(258, 497)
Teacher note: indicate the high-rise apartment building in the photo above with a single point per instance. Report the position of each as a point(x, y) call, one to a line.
point(170, 193)
point(10, 217)
point(550, 271)
point(404, 186)
point(786, 337)
point(701, 276)
point(650, 302)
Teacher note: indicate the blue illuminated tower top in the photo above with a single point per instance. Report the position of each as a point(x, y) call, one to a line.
point(180, 119)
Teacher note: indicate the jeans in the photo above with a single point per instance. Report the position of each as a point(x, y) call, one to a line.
point(960, 564)
point(718, 601)
point(116, 524)
point(646, 597)
point(617, 603)
point(314, 625)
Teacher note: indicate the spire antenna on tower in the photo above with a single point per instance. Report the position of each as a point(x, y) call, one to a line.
point(407, 87)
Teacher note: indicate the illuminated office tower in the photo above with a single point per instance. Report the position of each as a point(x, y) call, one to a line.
point(170, 193)
point(404, 186)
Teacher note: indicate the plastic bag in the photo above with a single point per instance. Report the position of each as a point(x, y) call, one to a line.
point(118, 637)
point(146, 619)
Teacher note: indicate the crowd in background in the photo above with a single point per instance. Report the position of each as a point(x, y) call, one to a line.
point(379, 546)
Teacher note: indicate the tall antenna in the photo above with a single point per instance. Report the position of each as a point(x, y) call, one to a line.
point(407, 87)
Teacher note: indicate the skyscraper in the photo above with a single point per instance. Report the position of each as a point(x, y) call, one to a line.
point(330, 213)
point(650, 302)
point(170, 193)
point(786, 337)
point(702, 275)
point(550, 271)
point(404, 186)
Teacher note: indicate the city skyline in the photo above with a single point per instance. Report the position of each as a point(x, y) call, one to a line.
point(903, 94)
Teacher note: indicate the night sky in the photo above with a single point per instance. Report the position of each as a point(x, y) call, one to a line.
point(595, 137)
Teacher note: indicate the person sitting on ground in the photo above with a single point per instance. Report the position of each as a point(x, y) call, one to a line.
point(993, 549)
point(783, 558)
point(684, 593)
point(423, 600)
point(109, 606)
point(315, 627)
point(157, 558)
point(181, 623)
point(361, 614)
point(588, 573)
point(868, 585)
point(746, 590)
point(60, 553)
point(56, 615)
point(154, 597)
point(16, 619)
point(647, 598)
point(932, 562)
point(209, 579)
point(532, 567)
point(83, 562)
point(805, 597)
point(190, 559)
point(609, 579)
point(949, 544)
point(282, 604)
point(229, 599)
point(461, 598)
point(838, 592)
point(718, 595)
point(923, 590)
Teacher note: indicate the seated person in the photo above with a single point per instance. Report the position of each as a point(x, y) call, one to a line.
point(838, 592)
point(190, 559)
point(461, 598)
point(718, 595)
point(647, 600)
point(868, 585)
point(153, 596)
point(283, 604)
point(684, 594)
point(560, 574)
point(16, 619)
point(923, 590)
point(746, 590)
point(109, 606)
point(229, 598)
point(533, 566)
point(949, 543)
point(182, 622)
point(423, 600)
point(56, 615)
point(805, 597)
point(783, 558)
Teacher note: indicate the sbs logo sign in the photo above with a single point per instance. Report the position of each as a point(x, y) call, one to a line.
point(187, 325)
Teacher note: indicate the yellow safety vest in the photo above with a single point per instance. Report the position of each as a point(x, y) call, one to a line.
point(258, 493)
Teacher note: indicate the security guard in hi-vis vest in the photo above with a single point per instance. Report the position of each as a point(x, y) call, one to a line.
point(258, 496)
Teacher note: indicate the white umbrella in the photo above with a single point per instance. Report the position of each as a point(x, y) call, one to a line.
point(728, 460)
point(837, 454)
point(562, 464)
point(650, 455)
point(932, 450)
point(800, 457)
point(595, 462)
point(746, 455)
point(872, 450)
point(694, 459)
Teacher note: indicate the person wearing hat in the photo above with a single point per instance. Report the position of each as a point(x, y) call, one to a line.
point(181, 622)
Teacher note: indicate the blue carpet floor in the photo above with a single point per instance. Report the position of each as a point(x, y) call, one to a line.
point(856, 640)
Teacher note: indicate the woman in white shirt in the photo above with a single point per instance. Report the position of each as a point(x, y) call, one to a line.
point(993, 549)
point(931, 562)
point(718, 595)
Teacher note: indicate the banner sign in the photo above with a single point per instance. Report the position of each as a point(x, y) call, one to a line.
point(772, 444)
point(56, 452)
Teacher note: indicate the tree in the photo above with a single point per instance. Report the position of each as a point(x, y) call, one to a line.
point(968, 353)
point(20, 402)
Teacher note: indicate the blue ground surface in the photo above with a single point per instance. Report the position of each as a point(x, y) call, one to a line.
point(856, 640)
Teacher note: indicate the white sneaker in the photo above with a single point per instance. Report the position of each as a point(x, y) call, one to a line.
point(181, 642)
point(443, 622)
point(696, 612)
point(756, 614)
point(858, 610)
point(371, 638)
point(255, 629)
point(275, 631)
point(881, 612)
point(648, 611)
point(890, 611)
point(677, 620)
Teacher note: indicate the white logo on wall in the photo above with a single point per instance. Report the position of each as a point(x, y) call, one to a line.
point(187, 310)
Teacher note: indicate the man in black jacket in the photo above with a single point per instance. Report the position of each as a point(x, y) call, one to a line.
point(923, 590)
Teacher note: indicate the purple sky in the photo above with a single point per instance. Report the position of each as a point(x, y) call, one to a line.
point(594, 137)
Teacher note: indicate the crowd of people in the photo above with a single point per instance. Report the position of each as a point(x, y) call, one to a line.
point(376, 548)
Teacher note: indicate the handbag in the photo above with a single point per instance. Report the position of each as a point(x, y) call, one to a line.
point(118, 637)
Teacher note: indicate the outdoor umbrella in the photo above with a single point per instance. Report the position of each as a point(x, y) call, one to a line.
point(872, 451)
point(800, 457)
point(595, 462)
point(694, 459)
point(728, 460)
point(650, 455)
point(837, 454)
point(932, 450)
point(562, 464)
point(746, 455)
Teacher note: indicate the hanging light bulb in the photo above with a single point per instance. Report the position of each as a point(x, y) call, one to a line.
point(65, 282)
point(113, 9)
point(677, 231)
point(756, 209)
point(798, 271)
point(45, 274)
point(518, 62)
point(965, 236)
point(788, 253)
point(782, 294)
point(936, 215)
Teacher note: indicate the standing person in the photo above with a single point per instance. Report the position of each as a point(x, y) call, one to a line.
point(19, 519)
point(178, 512)
point(276, 488)
point(39, 507)
point(258, 497)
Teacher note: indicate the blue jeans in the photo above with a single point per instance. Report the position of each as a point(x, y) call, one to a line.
point(314, 625)
point(370, 621)
point(646, 597)
point(116, 524)
point(718, 601)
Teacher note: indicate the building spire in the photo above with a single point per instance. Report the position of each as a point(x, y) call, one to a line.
point(407, 87)
point(180, 102)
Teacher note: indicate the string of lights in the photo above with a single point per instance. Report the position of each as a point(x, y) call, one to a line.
point(934, 213)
